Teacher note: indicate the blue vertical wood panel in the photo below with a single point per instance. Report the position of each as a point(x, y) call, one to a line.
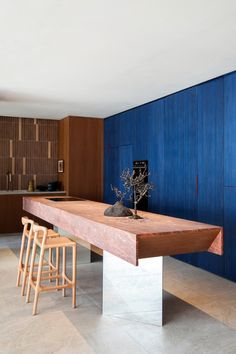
point(155, 153)
point(111, 172)
point(211, 163)
point(112, 131)
point(141, 132)
point(127, 127)
point(230, 129)
point(182, 137)
point(230, 175)
point(125, 161)
point(230, 232)
point(180, 155)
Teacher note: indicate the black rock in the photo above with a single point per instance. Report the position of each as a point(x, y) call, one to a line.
point(118, 210)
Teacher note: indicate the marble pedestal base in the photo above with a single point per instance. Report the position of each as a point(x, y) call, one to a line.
point(133, 293)
point(125, 291)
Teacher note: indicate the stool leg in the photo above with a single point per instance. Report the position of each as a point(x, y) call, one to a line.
point(37, 290)
point(30, 279)
point(57, 266)
point(20, 260)
point(63, 269)
point(74, 277)
point(26, 272)
point(50, 262)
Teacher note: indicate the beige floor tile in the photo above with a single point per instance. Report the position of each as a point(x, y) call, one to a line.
point(198, 324)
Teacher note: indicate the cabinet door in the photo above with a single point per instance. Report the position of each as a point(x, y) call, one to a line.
point(230, 232)
point(230, 175)
point(111, 173)
point(210, 164)
point(125, 161)
point(141, 126)
point(230, 130)
point(116, 160)
point(179, 196)
point(155, 153)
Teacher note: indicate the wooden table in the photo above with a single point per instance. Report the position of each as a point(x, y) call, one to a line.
point(127, 243)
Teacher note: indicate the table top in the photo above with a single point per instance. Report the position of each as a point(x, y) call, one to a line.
point(129, 239)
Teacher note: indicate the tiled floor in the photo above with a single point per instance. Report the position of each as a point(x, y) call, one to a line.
point(200, 316)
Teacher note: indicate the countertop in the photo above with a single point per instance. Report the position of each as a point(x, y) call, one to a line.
point(154, 235)
point(25, 192)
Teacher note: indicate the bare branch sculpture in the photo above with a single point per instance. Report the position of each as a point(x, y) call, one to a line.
point(135, 186)
point(119, 194)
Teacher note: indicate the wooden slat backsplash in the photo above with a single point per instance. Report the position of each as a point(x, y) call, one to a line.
point(29, 150)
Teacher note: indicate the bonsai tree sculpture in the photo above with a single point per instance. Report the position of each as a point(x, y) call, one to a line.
point(119, 194)
point(135, 186)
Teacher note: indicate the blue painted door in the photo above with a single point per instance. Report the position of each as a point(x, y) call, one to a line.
point(116, 159)
point(230, 130)
point(155, 153)
point(230, 232)
point(210, 98)
point(230, 175)
point(179, 196)
point(111, 172)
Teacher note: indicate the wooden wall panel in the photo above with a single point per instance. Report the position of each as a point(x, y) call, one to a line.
point(82, 151)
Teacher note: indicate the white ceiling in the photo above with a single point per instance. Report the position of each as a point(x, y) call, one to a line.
point(100, 57)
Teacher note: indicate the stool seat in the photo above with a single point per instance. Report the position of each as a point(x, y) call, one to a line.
point(51, 233)
point(55, 242)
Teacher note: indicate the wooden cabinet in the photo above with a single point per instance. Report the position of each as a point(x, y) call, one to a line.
point(11, 212)
point(81, 148)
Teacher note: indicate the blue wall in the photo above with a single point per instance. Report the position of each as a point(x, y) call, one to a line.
point(189, 140)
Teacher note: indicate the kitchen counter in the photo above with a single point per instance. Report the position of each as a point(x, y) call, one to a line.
point(25, 192)
point(131, 273)
point(129, 239)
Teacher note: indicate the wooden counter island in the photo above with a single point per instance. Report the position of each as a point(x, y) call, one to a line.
point(132, 249)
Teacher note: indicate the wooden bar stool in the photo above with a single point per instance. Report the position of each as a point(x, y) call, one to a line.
point(23, 267)
point(45, 243)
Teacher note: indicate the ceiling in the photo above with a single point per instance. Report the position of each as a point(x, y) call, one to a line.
point(98, 58)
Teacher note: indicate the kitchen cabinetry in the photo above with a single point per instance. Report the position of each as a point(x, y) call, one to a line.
point(81, 148)
point(11, 211)
point(189, 141)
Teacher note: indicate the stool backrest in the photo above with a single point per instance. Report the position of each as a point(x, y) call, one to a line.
point(44, 232)
point(28, 226)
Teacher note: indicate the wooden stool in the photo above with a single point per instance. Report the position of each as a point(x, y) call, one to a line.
point(45, 243)
point(23, 267)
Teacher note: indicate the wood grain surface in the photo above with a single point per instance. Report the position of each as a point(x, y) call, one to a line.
point(154, 235)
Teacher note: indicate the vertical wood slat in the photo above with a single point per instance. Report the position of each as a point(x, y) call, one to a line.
point(24, 146)
point(11, 147)
point(49, 149)
point(20, 129)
